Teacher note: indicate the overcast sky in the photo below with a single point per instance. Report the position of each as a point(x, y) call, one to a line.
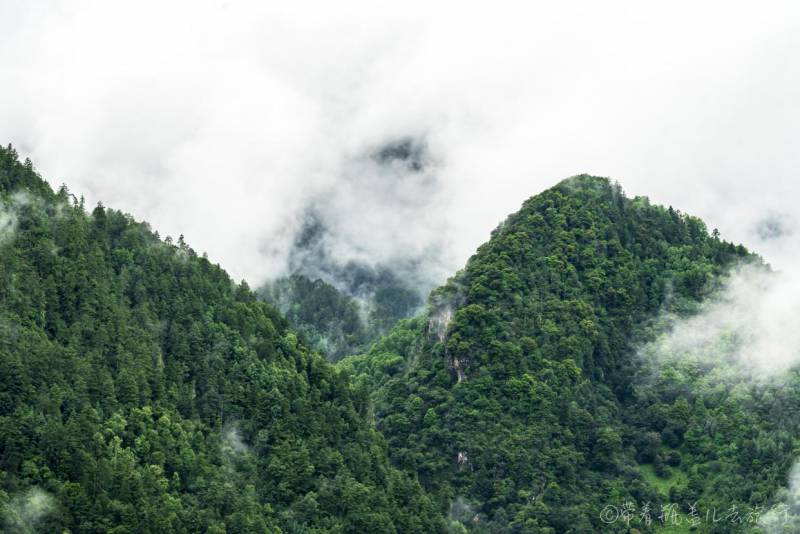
point(227, 121)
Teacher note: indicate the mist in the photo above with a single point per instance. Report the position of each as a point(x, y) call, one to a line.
point(745, 337)
point(24, 512)
point(8, 224)
point(746, 331)
point(232, 440)
point(784, 516)
point(408, 130)
point(9, 214)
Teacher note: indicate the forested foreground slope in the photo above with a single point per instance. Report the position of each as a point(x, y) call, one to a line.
point(523, 402)
point(141, 390)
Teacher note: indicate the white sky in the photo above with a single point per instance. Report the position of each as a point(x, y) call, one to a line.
point(224, 120)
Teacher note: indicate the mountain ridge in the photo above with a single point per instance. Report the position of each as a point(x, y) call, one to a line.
point(509, 393)
point(144, 391)
point(141, 389)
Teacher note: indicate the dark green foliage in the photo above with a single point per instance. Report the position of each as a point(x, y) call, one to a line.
point(336, 323)
point(321, 287)
point(20, 177)
point(511, 393)
point(328, 319)
point(143, 391)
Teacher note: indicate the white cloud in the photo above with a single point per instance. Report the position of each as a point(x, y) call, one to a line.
point(747, 332)
point(233, 441)
point(8, 224)
point(9, 214)
point(783, 517)
point(25, 510)
point(224, 120)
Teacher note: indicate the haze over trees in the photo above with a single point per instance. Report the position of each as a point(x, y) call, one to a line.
point(521, 397)
point(142, 390)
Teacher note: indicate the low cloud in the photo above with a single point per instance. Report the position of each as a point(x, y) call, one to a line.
point(411, 129)
point(8, 224)
point(9, 214)
point(232, 440)
point(784, 516)
point(26, 510)
point(462, 512)
point(746, 334)
point(749, 327)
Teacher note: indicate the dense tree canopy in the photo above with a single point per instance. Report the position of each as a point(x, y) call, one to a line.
point(143, 391)
point(519, 400)
point(338, 322)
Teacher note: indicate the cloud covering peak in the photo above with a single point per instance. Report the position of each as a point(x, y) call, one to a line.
point(410, 129)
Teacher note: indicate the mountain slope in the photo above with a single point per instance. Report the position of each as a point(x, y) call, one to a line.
point(340, 307)
point(141, 390)
point(330, 320)
point(333, 321)
point(509, 396)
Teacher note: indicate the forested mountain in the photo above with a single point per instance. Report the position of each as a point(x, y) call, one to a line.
point(340, 307)
point(522, 402)
point(335, 322)
point(329, 320)
point(141, 390)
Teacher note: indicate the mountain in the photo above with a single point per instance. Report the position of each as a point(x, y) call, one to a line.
point(341, 307)
point(142, 390)
point(521, 398)
point(329, 320)
point(338, 322)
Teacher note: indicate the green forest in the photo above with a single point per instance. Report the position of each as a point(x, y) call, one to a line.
point(144, 390)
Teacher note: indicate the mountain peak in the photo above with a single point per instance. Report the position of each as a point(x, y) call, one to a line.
point(525, 359)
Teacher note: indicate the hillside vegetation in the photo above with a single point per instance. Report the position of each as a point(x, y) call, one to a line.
point(141, 390)
point(522, 400)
